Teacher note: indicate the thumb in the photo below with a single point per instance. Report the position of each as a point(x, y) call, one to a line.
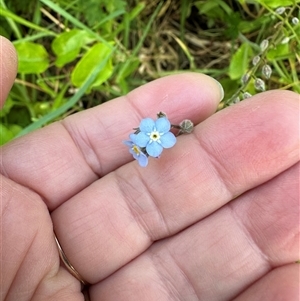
point(8, 67)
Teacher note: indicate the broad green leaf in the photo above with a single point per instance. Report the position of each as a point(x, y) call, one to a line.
point(281, 51)
point(99, 52)
point(239, 61)
point(67, 45)
point(8, 132)
point(250, 26)
point(33, 58)
point(5, 134)
point(15, 129)
point(276, 3)
point(215, 9)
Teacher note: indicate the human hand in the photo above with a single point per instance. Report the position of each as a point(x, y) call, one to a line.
point(215, 218)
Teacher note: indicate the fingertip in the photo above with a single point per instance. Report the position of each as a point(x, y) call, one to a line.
point(8, 66)
point(208, 85)
point(184, 95)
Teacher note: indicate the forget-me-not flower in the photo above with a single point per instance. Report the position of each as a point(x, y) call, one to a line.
point(136, 151)
point(155, 136)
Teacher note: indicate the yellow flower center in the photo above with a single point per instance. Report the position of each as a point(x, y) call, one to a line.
point(136, 149)
point(154, 136)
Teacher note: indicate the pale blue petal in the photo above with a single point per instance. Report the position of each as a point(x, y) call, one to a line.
point(168, 140)
point(154, 149)
point(141, 139)
point(133, 138)
point(133, 153)
point(143, 160)
point(162, 125)
point(147, 125)
point(128, 143)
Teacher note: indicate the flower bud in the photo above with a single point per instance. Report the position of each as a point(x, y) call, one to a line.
point(259, 84)
point(266, 71)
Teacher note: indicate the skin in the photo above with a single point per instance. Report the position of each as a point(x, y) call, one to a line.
point(215, 218)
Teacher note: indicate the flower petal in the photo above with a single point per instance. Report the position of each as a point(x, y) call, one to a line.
point(154, 149)
point(128, 143)
point(132, 138)
point(143, 160)
point(147, 125)
point(162, 125)
point(133, 153)
point(168, 140)
point(141, 139)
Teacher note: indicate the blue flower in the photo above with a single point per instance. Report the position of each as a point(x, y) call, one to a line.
point(136, 152)
point(154, 136)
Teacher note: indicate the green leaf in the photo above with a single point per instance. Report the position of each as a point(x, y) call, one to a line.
point(239, 61)
point(276, 3)
point(8, 132)
point(72, 101)
point(250, 26)
point(214, 9)
point(67, 45)
point(33, 58)
point(99, 52)
point(281, 51)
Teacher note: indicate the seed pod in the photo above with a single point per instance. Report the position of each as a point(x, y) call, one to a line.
point(246, 95)
point(186, 126)
point(295, 21)
point(255, 60)
point(245, 78)
point(285, 40)
point(235, 100)
point(280, 10)
point(259, 84)
point(266, 71)
point(264, 45)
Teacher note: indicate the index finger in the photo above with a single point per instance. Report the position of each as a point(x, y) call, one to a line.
point(60, 160)
point(8, 67)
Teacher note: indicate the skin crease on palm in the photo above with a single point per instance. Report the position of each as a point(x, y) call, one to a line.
point(215, 218)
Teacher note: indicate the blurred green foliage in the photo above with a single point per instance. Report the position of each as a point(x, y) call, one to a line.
point(75, 55)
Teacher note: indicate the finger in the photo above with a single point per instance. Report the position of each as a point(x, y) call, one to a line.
point(116, 218)
point(89, 144)
point(220, 256)
point(29, 257)
point(280, 284)
point(8, 67)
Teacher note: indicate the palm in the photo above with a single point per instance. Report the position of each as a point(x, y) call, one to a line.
point(171, 230)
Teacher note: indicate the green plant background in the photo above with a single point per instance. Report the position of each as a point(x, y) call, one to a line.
point(76, 54)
